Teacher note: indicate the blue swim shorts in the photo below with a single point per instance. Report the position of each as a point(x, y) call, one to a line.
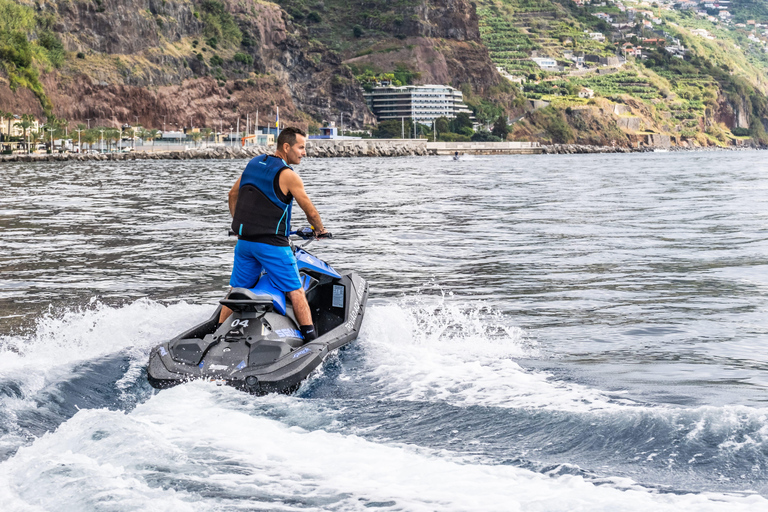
point(253, 257)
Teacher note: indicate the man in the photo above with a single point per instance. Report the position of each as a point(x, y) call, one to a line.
point(260, 203)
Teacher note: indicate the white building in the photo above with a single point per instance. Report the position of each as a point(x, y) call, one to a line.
point(422, 103)
point(16, 131)
point(546, 63)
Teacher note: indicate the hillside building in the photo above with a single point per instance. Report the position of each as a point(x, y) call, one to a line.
point(15, 130)
point(422, 103)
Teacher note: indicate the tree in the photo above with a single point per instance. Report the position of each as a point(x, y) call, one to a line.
point(26, 122)
point(154, 134)
point(500, 128)
point(196, 136)
point(461, 120)
point(392, 129)
point(442, 124)
point(88, 137)
point(484, 136)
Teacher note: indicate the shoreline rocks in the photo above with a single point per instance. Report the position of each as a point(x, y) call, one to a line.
point(329, 149)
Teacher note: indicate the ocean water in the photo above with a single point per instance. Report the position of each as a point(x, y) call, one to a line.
point(544, 333)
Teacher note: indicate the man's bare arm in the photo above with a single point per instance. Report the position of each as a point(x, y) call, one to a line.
point(291, 182)
point(233, 192)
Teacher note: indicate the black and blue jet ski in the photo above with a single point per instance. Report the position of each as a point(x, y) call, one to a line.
point(259, 348)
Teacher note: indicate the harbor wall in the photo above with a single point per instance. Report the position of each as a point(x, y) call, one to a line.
point(484, 148)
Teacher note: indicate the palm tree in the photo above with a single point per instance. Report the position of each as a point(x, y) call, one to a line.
point(207, 133)
point(89, 137)
point(196, 136)
point(113, 135)
point(154, 134)
point(24, 124)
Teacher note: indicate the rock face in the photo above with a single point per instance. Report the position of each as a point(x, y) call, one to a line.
point(441, 40)
point(140, 61)
point(734, 114)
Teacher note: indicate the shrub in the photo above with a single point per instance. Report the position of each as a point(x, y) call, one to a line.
point(80, 55)
point(484, 136)
point(243, 58)
point(500, 128)
point(357, 31)
point(314, 17)
point(740, 132)
point(216, 60)
point(212, 42)
point(218, 23)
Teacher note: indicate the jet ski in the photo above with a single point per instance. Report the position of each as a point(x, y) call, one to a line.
point(259, 348)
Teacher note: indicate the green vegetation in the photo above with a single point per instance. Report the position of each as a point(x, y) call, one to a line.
point(369, 75)
point(219, 25)
point(21, 58)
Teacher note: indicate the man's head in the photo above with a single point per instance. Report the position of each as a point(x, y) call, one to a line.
point(290, 145)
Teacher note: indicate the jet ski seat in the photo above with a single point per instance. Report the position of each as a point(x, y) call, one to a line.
point(265, 288)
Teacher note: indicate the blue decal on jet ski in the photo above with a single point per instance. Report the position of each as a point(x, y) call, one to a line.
point(301, 352)
point(265, 287)
point(306, 261)
point(289, 333)
point(241, 365)
point(202, 363)
point(163, 352)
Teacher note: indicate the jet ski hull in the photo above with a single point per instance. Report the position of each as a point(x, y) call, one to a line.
point(257, 349)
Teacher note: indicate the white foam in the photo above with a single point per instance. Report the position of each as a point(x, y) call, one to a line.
point(437, 350)
point(195, 446)
point(63, 339)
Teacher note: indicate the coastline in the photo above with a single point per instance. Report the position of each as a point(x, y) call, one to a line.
point(347, 150)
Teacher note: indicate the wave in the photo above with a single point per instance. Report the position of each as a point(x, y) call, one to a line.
point(196, 446)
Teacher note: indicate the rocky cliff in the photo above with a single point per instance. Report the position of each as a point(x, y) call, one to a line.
point(184, 62)
point(440, 39)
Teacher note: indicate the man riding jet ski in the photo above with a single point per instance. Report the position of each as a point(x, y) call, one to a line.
point(257, 340)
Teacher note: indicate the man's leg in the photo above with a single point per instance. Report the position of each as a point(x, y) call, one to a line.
point(225, 313)
point(300, 306)
point(303, 314)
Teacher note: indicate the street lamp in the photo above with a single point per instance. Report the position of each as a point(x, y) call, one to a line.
point(136, 125)
point(51, 130)
point(79, 146)
point(102, 140)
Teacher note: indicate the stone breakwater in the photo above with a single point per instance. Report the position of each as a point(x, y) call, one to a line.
point(325, 148)
point(315, 148)
point(575, 149)
point(218, 153)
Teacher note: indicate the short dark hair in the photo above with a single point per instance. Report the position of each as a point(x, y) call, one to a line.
point(289, 135)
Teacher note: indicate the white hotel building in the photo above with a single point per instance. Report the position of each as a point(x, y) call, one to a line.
point(422, 103)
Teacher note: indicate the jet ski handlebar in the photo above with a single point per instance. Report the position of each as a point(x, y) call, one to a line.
point(310, 234)
point(303, 233)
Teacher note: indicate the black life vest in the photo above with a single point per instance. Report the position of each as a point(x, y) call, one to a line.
point(260, 214)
